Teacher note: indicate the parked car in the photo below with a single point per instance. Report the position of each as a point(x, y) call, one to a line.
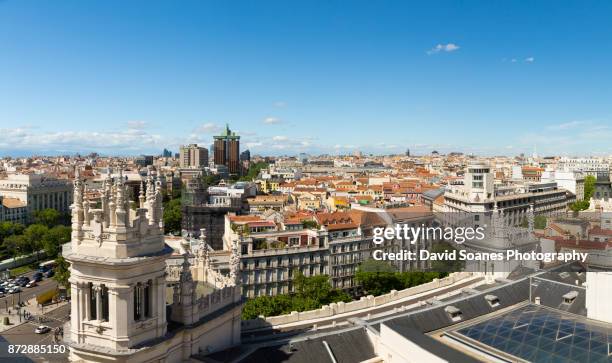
point(31, 284)
point(49, 273)
point(42, 329)
point(14, 290)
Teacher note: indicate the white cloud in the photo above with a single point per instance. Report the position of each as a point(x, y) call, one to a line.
point(271, 120)
point(450, 47)
point(128, 140)
point(136, 124)
point(529, 59)
point(568, 125)
point(209, 128)
point(251, 145)
point(280, 138)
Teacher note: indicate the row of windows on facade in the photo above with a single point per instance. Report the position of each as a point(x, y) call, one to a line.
point(59, 200)
point(258, 278)
point(98, 301)
point(279, 288)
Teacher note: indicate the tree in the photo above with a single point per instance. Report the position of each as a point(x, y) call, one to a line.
point(48, 217)
point(15, 245)
point(34, 235)
point(310, 293)
point(589, 187)
point(54, 239)
point(172, 216)
point(589, 190)
point(539, 222)
point(310, 224)
point(446, 265)
point(212, 179)
point(10, 228)
point(377, 277)
point(62, 271)
point(314, 287)
point(579, 205)
point(254, 170)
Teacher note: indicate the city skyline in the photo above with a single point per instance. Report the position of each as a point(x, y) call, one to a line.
point(319, 78)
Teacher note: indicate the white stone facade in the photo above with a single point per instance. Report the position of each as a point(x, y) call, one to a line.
point(118, 261)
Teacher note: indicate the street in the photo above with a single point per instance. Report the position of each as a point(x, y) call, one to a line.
point(8, 301)
point(24, 335)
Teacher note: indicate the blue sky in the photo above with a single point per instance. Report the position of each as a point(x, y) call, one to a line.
point(489, 77)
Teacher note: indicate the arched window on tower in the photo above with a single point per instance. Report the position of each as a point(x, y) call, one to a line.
point(137, 302)
point(93, 302)
point(147, 299)
point(104, 302)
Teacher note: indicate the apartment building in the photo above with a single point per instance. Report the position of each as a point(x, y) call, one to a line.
point(13, 210)
point(38, 191)
point(572, 181)
point(332, 244)
point(193, 156)
point(478, 195)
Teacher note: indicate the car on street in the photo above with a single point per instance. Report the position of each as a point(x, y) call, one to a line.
point(31, 284)
point(14, 290)
point(49, 273)
point(42, 329)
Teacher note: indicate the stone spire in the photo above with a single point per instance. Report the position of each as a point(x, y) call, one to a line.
point(497, 220)
point(77, 208)
point(141, 196)
point(203, 250)
point(234, 263)
point(121, 212)
point(530, 218)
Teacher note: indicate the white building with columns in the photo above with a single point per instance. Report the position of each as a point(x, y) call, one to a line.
point(118, 266)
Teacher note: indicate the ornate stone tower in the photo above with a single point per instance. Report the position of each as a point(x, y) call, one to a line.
point(118, 283)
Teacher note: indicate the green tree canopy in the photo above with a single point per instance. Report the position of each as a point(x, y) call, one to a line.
point(48, 217)
point(589, 187)
point(10, 228)
point(62, 271)
point(173, 216)
point(589, 190)
point(310, 293)
point(34, 235)
point(379, 277)
point(446, 265)
point(54, 239)
point(254, 170)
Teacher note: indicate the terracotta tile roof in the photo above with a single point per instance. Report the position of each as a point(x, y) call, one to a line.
point(600, 232)
point(557, 229)
point(247, 218)
point(261, 224)
point(579, 244)
point(418, 211)
point(12, 203)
